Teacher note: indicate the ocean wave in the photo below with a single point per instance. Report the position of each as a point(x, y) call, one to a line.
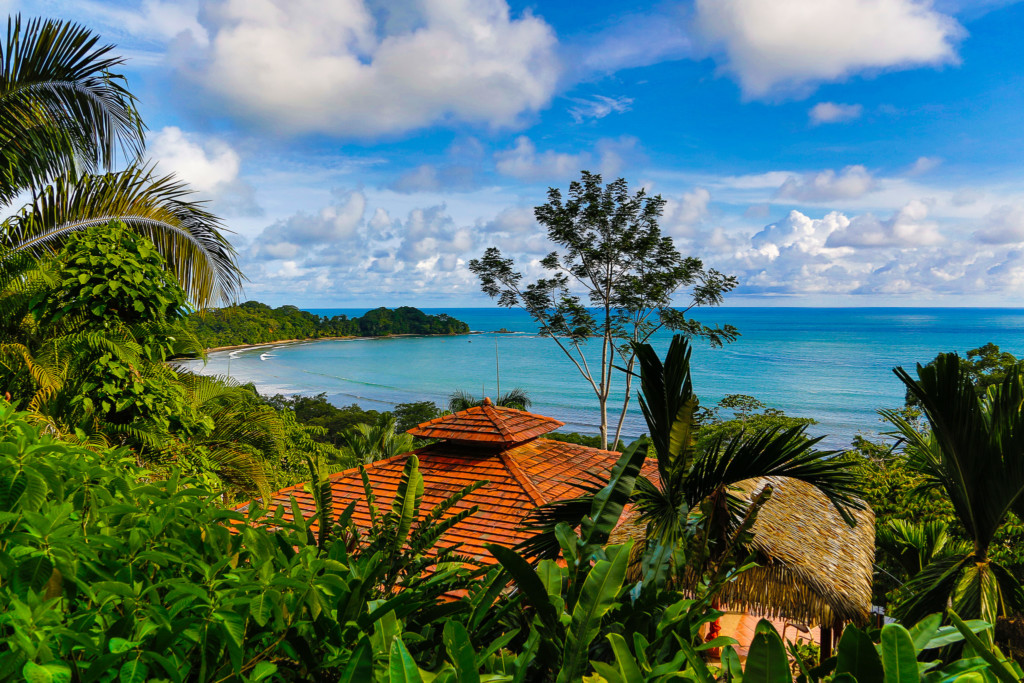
point(355, 381)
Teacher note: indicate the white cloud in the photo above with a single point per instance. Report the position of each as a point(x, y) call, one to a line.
point(1003, 225)
point(908, 227)
point(833, 112)
point(334, 228)
point(299, 66)
point(206, 163)
point(431, 178)
point(850, 183)
point(525, 163)
point(683, 216)
point(209, 165)
point(789, 44)
point(158, 20)
point(431, 232)
point(598, 107)
point(923, 165)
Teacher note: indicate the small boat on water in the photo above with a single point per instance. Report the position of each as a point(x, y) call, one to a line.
point(264, 356)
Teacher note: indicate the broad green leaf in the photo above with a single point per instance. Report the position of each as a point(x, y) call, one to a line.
point(857, 655)
point(401, 666)
point(261, 607)
point(53, 672)
point(460, 652)
point(133, 672)
point(899, 658)
point(529, 583)
point(263, 671)
point(407, 499)
point(767, 661)
point(599, 592)
point(731, 666)
point(360, 664)
point(628, 668)
point(923, 631)
point(609, 502)
point(997, 667)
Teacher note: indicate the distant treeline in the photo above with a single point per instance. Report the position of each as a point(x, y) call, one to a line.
point(256, 323)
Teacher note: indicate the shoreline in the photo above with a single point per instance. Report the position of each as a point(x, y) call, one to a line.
point(241, 347)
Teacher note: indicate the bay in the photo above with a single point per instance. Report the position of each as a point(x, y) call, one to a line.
point(830, 364)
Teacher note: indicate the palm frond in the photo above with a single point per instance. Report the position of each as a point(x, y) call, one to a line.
point(158, 207)
point(61, 66)
point(774, 452)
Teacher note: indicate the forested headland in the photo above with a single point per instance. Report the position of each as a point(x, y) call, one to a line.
point(257, 323)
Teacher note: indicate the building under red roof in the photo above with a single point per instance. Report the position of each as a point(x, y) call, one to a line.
point(496, 444)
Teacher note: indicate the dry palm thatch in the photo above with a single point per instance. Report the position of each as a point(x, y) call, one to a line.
point(813, 567)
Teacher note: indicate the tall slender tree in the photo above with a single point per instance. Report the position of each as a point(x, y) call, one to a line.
point(613, 282)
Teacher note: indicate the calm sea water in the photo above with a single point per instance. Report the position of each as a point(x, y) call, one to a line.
point(834, 365)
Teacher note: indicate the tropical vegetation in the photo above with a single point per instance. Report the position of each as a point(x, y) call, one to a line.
point(611, 248)
point(256, 323)
point(134, 545)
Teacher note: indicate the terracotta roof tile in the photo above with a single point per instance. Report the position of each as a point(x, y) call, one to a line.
point(488, 424)
point(520, 478)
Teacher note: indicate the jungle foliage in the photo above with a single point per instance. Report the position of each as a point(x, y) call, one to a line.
point(108, 573)
point(256, 323)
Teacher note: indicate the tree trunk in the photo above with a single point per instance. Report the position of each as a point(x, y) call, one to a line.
point(625, 401)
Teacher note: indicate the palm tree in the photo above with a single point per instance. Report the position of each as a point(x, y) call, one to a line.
point(65, 120)
point(515, 398)
point(706, 481)
point(974, 452)
point(369, 443)
point(691, 513)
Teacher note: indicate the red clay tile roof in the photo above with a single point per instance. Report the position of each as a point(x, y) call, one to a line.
point(520, 477)
point(488, 424)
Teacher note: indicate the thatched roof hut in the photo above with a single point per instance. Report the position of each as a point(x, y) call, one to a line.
point(814, 568)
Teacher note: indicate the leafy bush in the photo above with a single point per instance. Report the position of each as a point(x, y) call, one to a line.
point(107, 574)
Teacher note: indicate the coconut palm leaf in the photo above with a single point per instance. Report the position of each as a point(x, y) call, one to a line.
point(61, 106)
point(515, 398)
point(157, 207)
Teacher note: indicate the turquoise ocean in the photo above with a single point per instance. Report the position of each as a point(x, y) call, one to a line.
point(831, 364)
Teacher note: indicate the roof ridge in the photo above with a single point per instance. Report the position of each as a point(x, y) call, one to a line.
point(521, 477)
point(492, 414)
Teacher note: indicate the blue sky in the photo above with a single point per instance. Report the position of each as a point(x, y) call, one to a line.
point(827, 152)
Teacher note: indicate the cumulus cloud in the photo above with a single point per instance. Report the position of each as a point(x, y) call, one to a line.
point(514, 230)
point(789, 44)
point(598, 107)
point(908, 227)
point(209, 165)
point(431, 178)
point(905, 255)
point(302, 66)
point(524, 162)
point(684, 215)
point(923, 165)
point(833, 112)
point(1003, 225)
point(850, 183)
point(332, 232)
point(430, 233)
